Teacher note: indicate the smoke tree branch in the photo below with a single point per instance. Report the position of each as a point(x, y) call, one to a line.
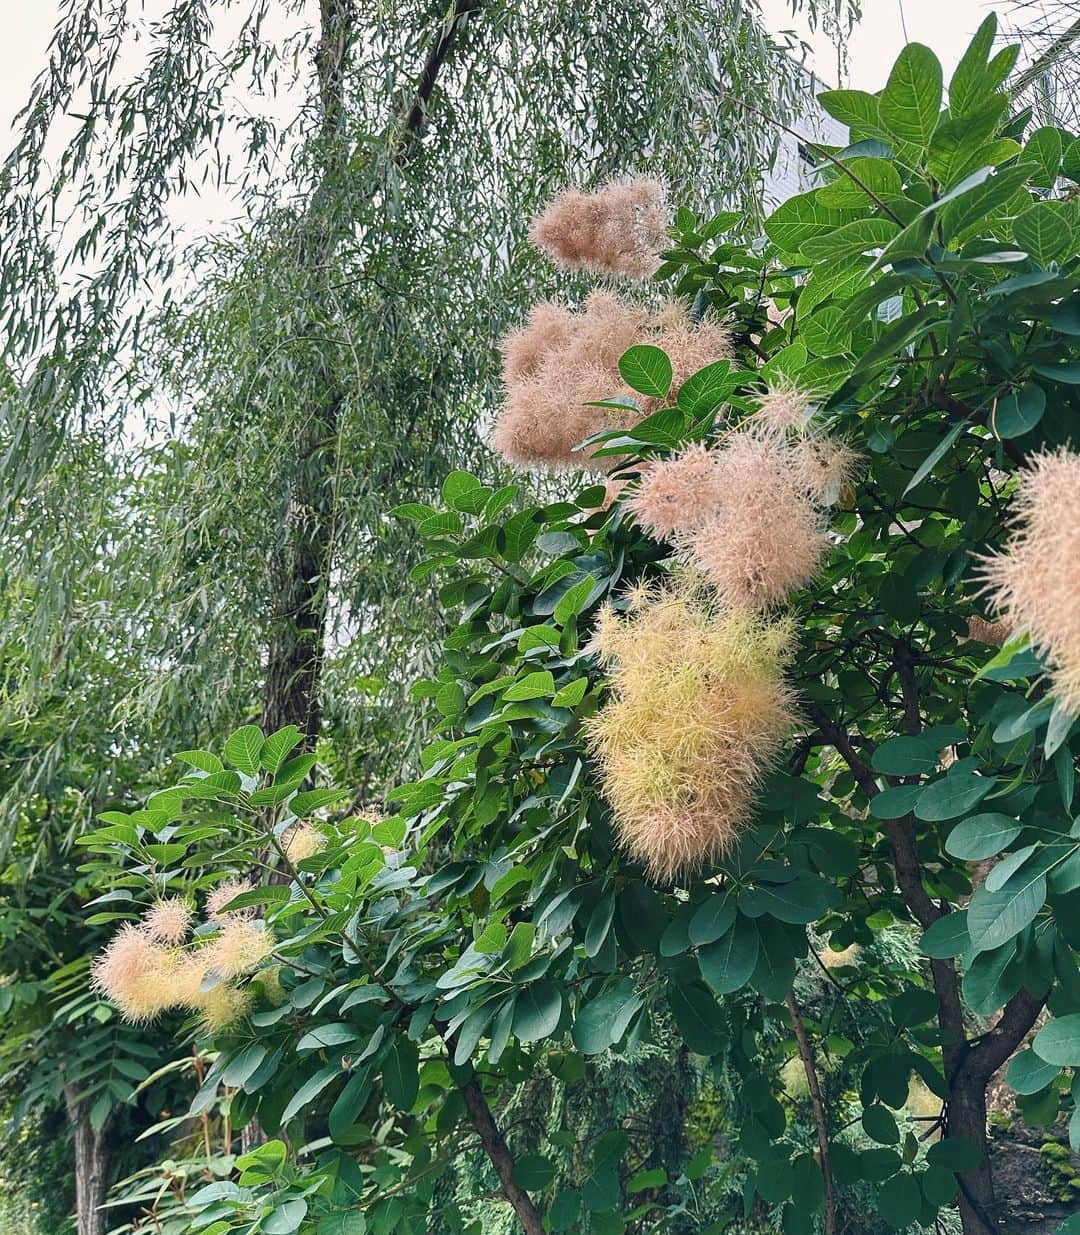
point(817, 1105)
point(497, 1151)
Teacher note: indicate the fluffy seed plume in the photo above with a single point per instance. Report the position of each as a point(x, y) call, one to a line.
point(301, 841)
point(219, 1005)
point(136, 974)
point(547, 329)
point(145, 978)
point(837, 960)
point(191, 968)
point(748, 511)
point(678, 494)
point(168, 921)
point(239, 947)
point(561, 361)
point(222, 1006)
point(618, 229)
point(220, 896)
point(1035, 584)
point(783, 409)
point(697, 714)
point(767, 538)
point(821, 467)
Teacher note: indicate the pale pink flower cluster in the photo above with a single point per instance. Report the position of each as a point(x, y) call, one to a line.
point(220, 896)
point(238, 948)
point(1035, 584)
point(169, 920)
point(302, 840)
point(697, 711)
point(135, 972)
point(617, 229)
point(561, 361)
point(748, 511)
point(148, 967)
point(677, 495)
point(783, 409)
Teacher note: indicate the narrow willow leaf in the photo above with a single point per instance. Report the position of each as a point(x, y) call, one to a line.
point(935, 456)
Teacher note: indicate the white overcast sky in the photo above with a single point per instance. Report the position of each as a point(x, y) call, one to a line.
point(945, 25)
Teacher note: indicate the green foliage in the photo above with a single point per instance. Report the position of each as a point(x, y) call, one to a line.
point(1064, 1179)
point(188, 428)
point(491, 933)
point(36, 1177)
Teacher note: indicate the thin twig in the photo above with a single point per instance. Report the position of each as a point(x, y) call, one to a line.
point(818, 149)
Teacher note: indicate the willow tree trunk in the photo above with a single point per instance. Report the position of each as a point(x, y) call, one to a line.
point(298, 626)
point(303, 558)
point(91, 1166)
point(303, 561)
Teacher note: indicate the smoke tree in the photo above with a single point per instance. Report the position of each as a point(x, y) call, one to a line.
point(200, 436)
point(803, 668)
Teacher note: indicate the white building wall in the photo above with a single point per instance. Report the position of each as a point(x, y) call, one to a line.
point(793, 171)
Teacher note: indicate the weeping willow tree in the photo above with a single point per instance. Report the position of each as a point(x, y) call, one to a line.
point(1049, 32)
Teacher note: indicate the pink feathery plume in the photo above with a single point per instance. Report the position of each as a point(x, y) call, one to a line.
point(618, 229)
point(1035, 584)
point(677, 495)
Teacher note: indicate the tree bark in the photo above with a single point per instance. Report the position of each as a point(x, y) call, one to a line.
point(966, 1117)
point(493, 1143)
point(297, 639)
point(297, 635)
point(91, 1166)
point(968, 1067)
point(970, 1073)
point(496, 1149)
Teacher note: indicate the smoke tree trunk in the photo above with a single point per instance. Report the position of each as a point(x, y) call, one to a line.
point(968, 1063)
point(967, 1118)
point(91, 1166)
